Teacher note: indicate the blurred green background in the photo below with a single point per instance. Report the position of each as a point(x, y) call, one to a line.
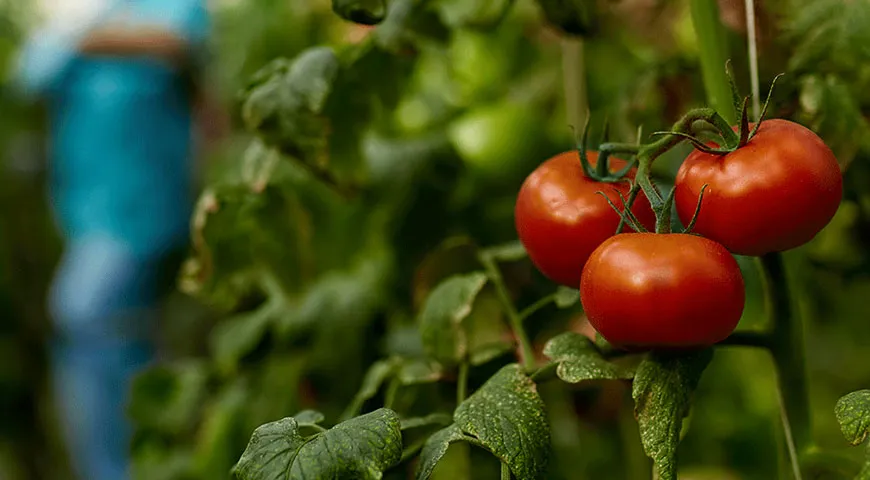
point(292, 290)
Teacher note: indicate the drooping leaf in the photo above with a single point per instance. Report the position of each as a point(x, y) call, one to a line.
point(165, 398)
point(285, 100)
point(366, 12)
point(662, 392)
point(574, 17)
point(507, 416)
point(508, 252)
point(360, 448)
point(442, 314)
point(579, 359)
point(435, 448)
point(234, 337)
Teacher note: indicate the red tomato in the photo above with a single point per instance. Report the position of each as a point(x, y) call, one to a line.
point(775, 193)
point(561, 219)
point(647, 290)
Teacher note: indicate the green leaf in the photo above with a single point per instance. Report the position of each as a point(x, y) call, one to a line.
point(155, 461)
point(506, 415)
point(829, 33)
point(508, 252)
point(566, 297)
point(579, 359)
point(662, 392)
point(309, 417)
point(285, 100)
point(853, 415)
point(376, 375)
point(366, 12)
point(216, 442)
point(235, 337)
point(488, 334)
point(360, 448)
point(574, 17)
point(435, 448)
point(165, 398)
point(417, 371)
point(442, 314)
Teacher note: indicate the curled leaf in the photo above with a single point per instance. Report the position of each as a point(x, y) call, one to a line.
point(579, 359)
point(662, 392)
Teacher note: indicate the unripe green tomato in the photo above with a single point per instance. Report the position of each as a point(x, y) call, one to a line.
point(499, 142)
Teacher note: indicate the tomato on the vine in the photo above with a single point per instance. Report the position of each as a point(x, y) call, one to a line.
point(773, 194)
point(561, 219)
point(648, 290)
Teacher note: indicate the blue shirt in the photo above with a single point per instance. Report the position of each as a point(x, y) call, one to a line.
point(120, 131)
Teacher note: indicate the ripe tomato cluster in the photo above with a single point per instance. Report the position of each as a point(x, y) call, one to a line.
point(678, 290)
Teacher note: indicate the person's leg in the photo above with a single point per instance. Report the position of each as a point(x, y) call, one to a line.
point(103, 303)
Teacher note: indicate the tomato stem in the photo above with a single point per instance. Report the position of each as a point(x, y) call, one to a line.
point(787, 349)
point(505, 472)
point(516, 322)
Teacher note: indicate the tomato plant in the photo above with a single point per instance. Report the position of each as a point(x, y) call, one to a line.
point(644, 290)
point(561, 219)
point(372, 254)
point(773, 194)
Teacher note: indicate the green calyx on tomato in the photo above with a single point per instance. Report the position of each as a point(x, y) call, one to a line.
point(662, 291)
point(561, 217)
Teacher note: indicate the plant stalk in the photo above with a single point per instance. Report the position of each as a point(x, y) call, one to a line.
point(574, 80)
point(462, 382)
point(516, 323)
point(505, 472)
point(787, 349)
point(711, 37)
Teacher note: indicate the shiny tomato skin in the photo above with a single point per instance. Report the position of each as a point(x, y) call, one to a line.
point(662, 291)
point(560, 219)
point(773, 194)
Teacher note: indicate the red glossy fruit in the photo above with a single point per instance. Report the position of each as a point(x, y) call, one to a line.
point(647, 290)
point(773, 194)
point(561, 219)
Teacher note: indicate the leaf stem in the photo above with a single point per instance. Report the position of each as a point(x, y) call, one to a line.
point(528, 355)
point(462, 382)
point(533, 308)
point(787, 348)
point(505, 472)
point(753, 58)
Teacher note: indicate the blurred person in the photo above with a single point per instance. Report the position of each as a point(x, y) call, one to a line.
point(120, 80)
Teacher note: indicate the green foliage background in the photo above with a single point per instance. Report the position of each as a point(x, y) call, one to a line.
point(336, 207)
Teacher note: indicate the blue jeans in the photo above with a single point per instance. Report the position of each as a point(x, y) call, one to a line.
point(103, 303)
